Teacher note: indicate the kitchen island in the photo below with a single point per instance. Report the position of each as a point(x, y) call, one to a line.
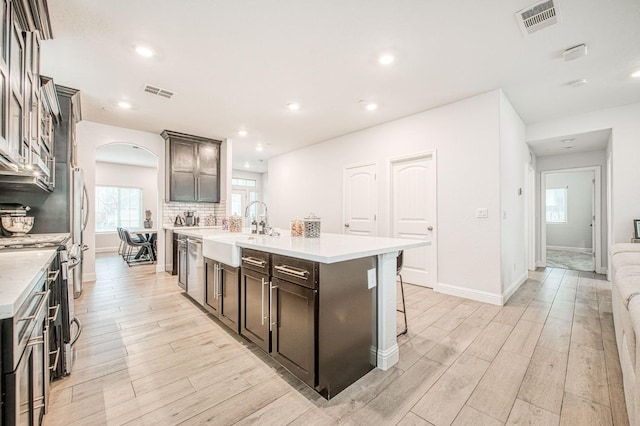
point(324, 308)
point(334, 248)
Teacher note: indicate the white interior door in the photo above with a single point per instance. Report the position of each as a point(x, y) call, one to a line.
point(413, 206)
point(360, 200)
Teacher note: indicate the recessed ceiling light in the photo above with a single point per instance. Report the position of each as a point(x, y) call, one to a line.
point(369, 106)
point(259, 148)
point(293, 106)
point(124, 105)
point(242, 133)
point(635, 74)
point(578, 83)
point(144, 51)
point(386, 59)
point(568, 146)
point(567, 141)
point(247, 165)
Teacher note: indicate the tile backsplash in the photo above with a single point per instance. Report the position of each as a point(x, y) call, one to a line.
point(173, 209)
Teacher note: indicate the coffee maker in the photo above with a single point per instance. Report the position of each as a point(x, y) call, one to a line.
point(190, 218)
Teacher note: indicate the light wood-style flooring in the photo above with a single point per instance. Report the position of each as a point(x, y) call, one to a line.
point(149, 356)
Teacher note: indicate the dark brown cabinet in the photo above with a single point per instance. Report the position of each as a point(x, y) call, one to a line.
point(254, 298)
point(318, 320)
point(293, 326)
point(222, 289)
point(193, 168)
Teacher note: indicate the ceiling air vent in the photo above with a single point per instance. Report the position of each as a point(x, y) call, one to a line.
point(158, 91)
point(539, 16)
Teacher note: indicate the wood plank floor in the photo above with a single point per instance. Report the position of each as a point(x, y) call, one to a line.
point(148, 355)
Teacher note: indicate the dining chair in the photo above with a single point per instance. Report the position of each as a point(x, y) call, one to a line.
point(399, 262)
point(145, 251)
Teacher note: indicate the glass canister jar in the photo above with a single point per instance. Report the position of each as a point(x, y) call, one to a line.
point(312, 226)
point(235, 223)
point(297, 228)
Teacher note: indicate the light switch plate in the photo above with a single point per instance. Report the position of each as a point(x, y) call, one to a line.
point(371, 278)
point(482, 213)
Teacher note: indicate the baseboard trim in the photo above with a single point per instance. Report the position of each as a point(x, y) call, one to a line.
point(573, 249)
point(467, 293)
point(540, 264)
point(388, 358)
point(87, 278)
point(107, 250)
point(515, 285)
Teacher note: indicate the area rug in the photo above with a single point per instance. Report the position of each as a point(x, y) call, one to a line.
point(570, 260)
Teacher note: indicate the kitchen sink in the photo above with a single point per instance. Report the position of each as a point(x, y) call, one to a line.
point(223, 249)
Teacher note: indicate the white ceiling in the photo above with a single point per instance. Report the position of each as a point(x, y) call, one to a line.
point(569, 144)
point(126, 153)
point(236, 63)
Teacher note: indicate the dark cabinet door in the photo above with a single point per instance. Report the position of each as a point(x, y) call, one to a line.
point(193, 168)
point(208, 189)
point(229, 307)
point(294, 324)
point(211, 278)
point(183, 171)
point(254, 308)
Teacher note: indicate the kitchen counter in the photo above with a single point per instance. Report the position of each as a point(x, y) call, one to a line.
point(20, 271)
point(328, 249)
point(177, 228)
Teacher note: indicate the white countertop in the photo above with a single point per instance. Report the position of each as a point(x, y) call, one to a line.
point(180, 228)
point(329, 248)
point(20, 271)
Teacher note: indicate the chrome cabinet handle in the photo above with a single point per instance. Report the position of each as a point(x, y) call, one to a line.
point(55, 361)
point(43, 302)
point(220, 282)
point(430, 228)
point(346, 225)
point(55, 314)
point(253, 261)
point(288, 270)
point(262, 300)
point(271, 321)
point(53, 275)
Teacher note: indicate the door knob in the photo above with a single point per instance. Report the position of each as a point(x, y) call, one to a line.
point(346, 225)
point(430, 228)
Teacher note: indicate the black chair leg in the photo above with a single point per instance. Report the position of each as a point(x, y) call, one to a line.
point(403, 310)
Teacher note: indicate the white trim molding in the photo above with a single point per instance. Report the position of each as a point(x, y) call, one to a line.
point(572, 249)
point(467, 293)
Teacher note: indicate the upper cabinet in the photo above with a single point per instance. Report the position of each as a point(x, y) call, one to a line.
point(26, 135)
point(193, 168)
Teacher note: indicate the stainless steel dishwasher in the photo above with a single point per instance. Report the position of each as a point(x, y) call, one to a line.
point(181, 242)
point(195, 270)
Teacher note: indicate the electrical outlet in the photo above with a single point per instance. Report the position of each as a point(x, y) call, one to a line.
point(482, 213)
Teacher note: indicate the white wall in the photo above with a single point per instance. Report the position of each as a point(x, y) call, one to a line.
point(145, 178)
point(90, 136)
point(466, 136)
point(625, 124)
point(514, 159)
point(576, 231)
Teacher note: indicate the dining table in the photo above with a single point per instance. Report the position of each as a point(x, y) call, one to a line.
point(146, 234)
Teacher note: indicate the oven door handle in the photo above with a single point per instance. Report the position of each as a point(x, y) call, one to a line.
point(43, 302)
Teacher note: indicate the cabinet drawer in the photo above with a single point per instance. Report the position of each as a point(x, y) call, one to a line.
point(256, 260)
point(298, 271)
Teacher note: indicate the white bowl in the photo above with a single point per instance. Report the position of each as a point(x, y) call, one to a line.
point(17, 225)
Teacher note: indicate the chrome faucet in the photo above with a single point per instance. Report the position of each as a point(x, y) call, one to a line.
point(266, 215)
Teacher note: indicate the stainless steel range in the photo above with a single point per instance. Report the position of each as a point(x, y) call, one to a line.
point(68, 328)
point(34, 241)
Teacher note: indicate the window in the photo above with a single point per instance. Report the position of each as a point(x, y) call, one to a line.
point(556, 205)
point(118, 207)
point(243, 182)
